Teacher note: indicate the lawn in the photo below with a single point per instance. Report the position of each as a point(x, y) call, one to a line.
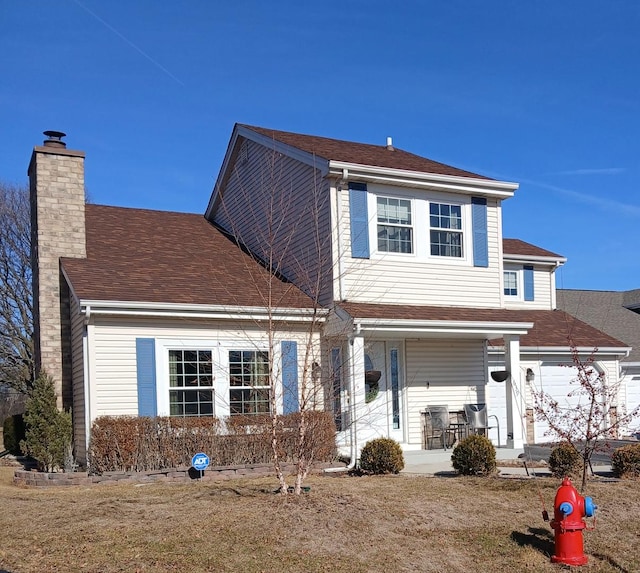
point(344, 524)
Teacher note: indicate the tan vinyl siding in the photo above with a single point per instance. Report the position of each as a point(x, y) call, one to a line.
point(418, 278)
point(455, 371)
point(77, 377)
point(279, 208)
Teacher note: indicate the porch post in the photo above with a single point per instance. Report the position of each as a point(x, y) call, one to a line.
point(514, 393)
point(356, 389)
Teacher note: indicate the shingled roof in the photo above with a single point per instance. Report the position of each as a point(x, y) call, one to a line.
point(518, 247)
point(164, 257)
point(604, 310)
point(552, 328)
point(361, 153)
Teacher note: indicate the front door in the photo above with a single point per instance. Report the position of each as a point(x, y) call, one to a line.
point(383, 389)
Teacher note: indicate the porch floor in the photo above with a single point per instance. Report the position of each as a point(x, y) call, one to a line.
point(439, 461)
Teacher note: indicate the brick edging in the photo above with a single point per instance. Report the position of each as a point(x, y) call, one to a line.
point(172, 475)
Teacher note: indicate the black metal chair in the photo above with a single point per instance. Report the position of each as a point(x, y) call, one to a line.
point(437, 427)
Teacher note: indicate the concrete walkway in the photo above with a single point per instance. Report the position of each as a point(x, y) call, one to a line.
point(438, 462)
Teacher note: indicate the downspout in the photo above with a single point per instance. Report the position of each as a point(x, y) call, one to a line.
point(86, 371)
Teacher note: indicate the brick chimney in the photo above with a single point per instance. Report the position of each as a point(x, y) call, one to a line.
point(56, 182)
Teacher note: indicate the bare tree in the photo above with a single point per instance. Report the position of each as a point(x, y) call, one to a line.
point(593, 418)
point(16, 301)
point(270, 217)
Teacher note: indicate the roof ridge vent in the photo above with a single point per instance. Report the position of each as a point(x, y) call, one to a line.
point(54, 139)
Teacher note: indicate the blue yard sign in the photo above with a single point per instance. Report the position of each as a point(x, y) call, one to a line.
point(200, 461)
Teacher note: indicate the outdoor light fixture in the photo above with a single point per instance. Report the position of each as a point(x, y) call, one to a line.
point(530, 375)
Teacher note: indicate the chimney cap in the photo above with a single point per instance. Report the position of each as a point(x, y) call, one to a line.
point(54, 138)
point(390, 143)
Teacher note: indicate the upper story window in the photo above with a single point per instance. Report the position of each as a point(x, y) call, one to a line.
point(249, 391)
point(190, 383)
point(445, 224)
point(511, 283)
point(395, 231)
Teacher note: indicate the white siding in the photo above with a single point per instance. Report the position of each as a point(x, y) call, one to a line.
point(279, 208)
point(543, 290)
point(419, 278)
point(455, 373)
point(114, 377)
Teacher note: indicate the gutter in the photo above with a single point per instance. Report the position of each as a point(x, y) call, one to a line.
point(173, 310)
point(420, 179)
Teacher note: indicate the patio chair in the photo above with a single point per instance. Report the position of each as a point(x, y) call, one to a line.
point(437, 427)
point(477, 418)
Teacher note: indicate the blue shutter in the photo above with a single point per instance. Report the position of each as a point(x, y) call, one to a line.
point(146, 372)
point(290, 401)
point(479, 225)
point(528, 282)
point(359, 219)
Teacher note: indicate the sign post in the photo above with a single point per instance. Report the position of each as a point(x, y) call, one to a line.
point(200, 462)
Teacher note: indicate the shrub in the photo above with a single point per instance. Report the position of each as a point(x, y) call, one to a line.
point(625, 461)
point(474, 456)
point(123, 443)
point(565, 460)
point(13, 433)
point(49, 432)
point(382, 456)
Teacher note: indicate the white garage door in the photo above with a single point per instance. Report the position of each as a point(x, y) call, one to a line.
point(556, 380)
point(633, 400)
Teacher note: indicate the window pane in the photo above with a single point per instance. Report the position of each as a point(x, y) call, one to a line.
point(446, 244)
point(249, 379)
point(190, 369)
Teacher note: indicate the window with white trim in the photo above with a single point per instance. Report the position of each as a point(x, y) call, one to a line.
point(190, 383)
point(511, 283)
point(395, 231)
point(446, 233)
point(249, 388)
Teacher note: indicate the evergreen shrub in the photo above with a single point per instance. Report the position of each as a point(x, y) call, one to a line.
point(49, 432)
point(382, 456)
point(474, 456)
point(625, 461)
point(13, 433)
point(565, 460)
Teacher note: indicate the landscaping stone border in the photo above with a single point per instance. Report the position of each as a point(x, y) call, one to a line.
point(33, 478)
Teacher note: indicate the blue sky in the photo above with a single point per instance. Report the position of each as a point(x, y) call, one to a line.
point(544, 93)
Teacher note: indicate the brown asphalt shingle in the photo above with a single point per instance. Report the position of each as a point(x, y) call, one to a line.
point(165, 257)
point(362, 153)
point(518, 247)
point(551, 327)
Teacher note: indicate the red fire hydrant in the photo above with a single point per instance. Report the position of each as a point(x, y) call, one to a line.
point(569, 511)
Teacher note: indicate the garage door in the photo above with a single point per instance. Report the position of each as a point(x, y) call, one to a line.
point(556, 380)
point(633, 400)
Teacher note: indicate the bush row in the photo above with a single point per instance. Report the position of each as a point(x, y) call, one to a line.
point(142, 443)
point(565, 460)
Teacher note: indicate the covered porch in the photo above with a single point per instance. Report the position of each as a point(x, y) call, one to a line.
point(394, 371)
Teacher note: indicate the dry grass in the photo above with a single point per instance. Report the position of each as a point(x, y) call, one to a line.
point(345, 524)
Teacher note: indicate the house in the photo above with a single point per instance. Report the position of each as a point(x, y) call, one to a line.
point(369, 281)
point(616, 313)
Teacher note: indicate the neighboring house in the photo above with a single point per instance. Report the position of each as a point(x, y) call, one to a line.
point(616, 313)
point(324, 260)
